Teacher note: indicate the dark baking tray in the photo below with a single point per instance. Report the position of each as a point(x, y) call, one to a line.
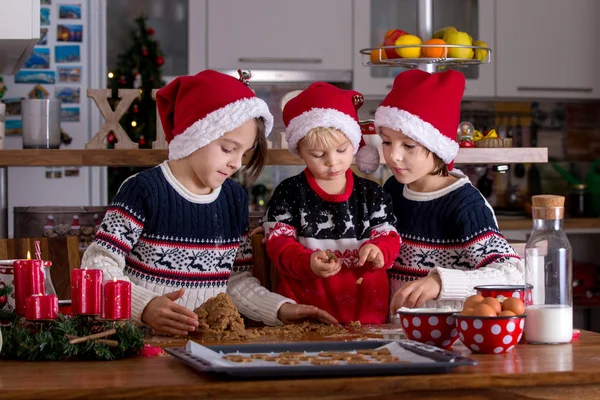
point(444, 360)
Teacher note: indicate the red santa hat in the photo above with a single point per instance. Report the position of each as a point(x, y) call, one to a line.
point(195, 110)
point(49, 222)
point(75, 223)
point(426, 108)
point(325, 105)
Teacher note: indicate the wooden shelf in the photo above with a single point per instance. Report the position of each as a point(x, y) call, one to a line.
point(148, 158)
point(570, 224)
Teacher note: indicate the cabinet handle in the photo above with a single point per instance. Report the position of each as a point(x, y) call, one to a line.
point(554, 89)
point(272, 60)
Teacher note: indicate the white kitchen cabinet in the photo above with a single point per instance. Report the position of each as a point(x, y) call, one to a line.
point(280, 34)
point(547, 48)
point(19, 32)
point(373, 18)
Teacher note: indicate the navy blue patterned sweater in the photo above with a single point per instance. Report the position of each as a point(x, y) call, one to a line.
point(162, 237)
point(453, 232)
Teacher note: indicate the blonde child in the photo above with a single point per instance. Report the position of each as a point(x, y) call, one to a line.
point(329, 232)
point(451, 241)
point(178, 231)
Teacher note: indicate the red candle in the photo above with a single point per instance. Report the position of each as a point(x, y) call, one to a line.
point(28, 280)
point(40, 307)
point(117, 300)
point(86, 291)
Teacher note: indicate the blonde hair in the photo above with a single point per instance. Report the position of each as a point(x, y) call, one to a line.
point(323, 137)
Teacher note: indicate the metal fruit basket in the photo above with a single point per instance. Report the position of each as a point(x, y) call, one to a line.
point(380, 61)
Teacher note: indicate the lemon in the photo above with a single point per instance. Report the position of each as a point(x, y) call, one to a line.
point(408, 52)
point(480, 55)
point(444, 33)
point(461, 38)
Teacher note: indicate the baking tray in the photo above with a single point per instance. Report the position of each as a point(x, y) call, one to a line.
point(416, 358)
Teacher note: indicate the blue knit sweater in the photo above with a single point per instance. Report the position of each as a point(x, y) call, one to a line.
point(162, 237)
point(453, 232)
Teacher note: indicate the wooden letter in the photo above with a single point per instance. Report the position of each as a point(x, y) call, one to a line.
point(161, 141)
point(111, 118)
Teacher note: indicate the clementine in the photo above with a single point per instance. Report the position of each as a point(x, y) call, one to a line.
point(435, 52)
point(378, 55)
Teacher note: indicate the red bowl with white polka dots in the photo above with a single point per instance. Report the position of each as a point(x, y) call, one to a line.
point(501, 292)
point(430, 326)
point(490, 335)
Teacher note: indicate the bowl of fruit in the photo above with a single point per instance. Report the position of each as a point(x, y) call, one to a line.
point(488, 325)
point(434, 326)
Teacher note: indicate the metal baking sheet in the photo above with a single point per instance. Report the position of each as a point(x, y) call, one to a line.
point(416, 358)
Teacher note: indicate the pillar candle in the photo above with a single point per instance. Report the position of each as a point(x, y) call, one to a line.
point(28, 280)
point(40, 307)
point(86, 291)
point(116, 300)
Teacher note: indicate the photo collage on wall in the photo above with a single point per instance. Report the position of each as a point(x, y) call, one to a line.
point(55, 69)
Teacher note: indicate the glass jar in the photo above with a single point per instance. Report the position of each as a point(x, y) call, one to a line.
point(579, 201)
point(548, 268)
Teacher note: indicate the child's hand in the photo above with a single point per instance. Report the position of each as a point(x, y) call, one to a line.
point(416, 293)
point(370, 253)
point(323, 266)
point(164, 315)
point(293, 313)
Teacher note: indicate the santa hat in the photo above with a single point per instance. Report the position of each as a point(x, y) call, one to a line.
point(325, 105)
point(426, 108)
point(195, 110)
point(49, 222)
point(75, 223)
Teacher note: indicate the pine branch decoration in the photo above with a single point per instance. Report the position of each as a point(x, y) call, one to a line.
point(50, 341)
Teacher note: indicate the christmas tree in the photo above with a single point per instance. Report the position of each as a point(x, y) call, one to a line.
point(137, 67)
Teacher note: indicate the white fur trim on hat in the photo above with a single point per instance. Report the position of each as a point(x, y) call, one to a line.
point(321, 117)
point(417, 129)
point(217, 123)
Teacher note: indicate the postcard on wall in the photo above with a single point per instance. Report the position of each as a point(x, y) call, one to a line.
point(13, 105)
point(13, 127)
point(35, 77)
point(69, 74)
point(69, 114)
point(40, 59)
point(44, 16)
point(38, 92)
point(67, 95)
point(69, 11)
point(67, 54)
point(45, 2)
point(43, 37)
point(69, 33)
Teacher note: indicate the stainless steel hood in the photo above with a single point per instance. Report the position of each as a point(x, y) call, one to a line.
point(296, 76)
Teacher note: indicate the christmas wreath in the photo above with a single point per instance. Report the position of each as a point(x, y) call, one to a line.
point(77, 337)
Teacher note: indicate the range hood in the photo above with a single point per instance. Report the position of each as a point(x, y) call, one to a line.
point(19, 32)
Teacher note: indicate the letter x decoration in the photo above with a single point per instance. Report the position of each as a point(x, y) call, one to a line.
point(161, 141)
point(111, 118)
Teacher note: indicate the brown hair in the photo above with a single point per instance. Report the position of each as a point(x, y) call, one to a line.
point(439, 166)
point(256, 163)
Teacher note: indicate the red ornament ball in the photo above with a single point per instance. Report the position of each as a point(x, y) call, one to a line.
point(150, 31)
point(3, 301)
point(145, 51)
point(142, 141)
point(160, 60)
point(111, 138)
point(135, 108)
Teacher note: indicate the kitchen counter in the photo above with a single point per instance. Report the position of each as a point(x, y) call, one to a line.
point(530, 371)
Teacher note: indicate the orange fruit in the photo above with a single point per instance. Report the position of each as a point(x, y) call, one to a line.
point(435, 52)
point(378, 55)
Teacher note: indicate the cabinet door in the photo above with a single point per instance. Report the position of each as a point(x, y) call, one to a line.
point(280, 34)
point(373, 18)
point(19, 19)
point(547, 48)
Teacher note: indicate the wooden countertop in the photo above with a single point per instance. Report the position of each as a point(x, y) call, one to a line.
point(529, 372)
point(570, 224)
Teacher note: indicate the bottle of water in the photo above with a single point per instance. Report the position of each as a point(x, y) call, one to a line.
point(548, 268)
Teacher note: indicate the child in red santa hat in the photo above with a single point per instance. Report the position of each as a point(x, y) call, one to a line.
point(179, 231)
point(451, 241)
point(329, 232)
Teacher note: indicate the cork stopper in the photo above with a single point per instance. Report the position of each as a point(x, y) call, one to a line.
point(547, 206)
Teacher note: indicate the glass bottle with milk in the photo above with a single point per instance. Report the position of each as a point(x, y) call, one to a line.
point(548, 268)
